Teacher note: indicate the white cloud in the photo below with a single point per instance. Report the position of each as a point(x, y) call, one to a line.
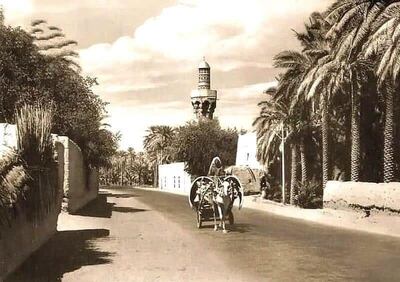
point(247, 91)
point(163, 52)
point(231, 34)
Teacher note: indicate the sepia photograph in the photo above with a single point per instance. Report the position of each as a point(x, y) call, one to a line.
point(199, 140)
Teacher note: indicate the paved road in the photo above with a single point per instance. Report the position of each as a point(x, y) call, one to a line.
point(138, 235)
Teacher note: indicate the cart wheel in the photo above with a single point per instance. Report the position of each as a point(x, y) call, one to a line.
point(231, 218)
point(198, 219)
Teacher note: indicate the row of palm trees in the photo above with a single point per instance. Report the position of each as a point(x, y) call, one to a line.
point(127, 168)
point(336, 97)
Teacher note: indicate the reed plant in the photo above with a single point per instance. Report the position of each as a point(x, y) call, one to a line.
point(35, 147)
point(34, 141)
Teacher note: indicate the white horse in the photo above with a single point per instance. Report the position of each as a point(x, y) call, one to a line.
point(224, 196)
point(222, 201)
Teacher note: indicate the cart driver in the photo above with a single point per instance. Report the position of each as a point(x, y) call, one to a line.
point(215, 170)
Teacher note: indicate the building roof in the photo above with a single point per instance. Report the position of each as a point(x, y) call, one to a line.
point(203, 64)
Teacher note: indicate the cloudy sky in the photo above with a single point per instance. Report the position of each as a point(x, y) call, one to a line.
point(145, 53)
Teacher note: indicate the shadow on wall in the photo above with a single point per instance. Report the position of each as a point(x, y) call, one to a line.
point(65, 252)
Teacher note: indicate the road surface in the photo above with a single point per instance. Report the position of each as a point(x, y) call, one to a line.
point(143, 235)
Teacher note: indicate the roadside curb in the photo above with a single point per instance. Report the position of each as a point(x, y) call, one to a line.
point(377, 223)
point(382, 224)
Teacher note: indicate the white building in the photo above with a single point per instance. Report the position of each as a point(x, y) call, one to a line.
point(247, 151)
point(173, 178)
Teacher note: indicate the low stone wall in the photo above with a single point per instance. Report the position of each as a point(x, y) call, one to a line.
point(362, 195)
point(80, 185)
point(24, 236)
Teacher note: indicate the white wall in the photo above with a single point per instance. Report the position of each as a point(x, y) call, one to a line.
point(8, 137)
point(247, 151)
point(80, 185)
point(173, 178)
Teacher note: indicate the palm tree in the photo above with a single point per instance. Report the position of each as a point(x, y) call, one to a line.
point(275, 115)
point(156, 142)
point(385, 43)
point(297, 65)
point(373, 24)
point(268, 126)
point(313, 86)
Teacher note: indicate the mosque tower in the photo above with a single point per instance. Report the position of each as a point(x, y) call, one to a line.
point(204, 100)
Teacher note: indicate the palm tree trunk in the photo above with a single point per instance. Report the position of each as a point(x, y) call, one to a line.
point(347, 164)
point(355, 136)
point(388, 135)
point(155, 180)
point(325, 142)
point(303, 161)
point(293, 180)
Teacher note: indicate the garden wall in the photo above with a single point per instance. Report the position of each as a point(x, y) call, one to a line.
point(25, 235)
point(362, 195)
point(80, 185)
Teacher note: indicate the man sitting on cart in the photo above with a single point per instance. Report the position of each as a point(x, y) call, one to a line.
point(216, 170)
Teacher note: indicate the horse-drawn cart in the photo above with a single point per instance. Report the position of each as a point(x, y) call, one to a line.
point(209, 196)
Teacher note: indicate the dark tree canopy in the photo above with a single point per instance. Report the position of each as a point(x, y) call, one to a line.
point(30, 77)
point(197, 143)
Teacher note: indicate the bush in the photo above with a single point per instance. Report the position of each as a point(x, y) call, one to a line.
point(310, 196)
point(274, 193)
point(14, 178)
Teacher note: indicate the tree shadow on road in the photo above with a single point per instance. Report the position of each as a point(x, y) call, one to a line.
point(240, 228)
point(99, 207)
point(119, 196)
point(65, 252)
point(127, 209)
point(236, 228)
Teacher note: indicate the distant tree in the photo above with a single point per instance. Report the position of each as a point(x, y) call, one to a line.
point(197, 143)
point(142, 169)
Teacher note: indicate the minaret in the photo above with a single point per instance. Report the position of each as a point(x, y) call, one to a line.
point(204, 100)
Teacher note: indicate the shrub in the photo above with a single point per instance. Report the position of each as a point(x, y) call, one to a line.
point(14, 178)
point(310, 196)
